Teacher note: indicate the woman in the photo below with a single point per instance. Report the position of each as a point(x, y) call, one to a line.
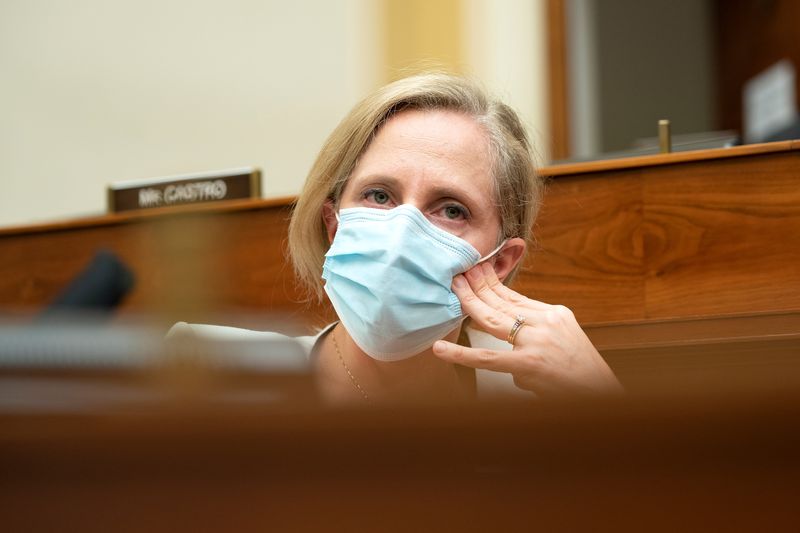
point(417, 214)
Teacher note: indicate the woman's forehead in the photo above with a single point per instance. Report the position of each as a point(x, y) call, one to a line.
point(442, 131)
point(434, 148)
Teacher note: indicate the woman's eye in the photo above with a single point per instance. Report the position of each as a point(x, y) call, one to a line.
point(378, 196)
point(454, 212)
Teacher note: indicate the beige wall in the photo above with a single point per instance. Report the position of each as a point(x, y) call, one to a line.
point(96, 91)
point(507, 49)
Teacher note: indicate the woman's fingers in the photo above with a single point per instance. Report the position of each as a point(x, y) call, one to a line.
point(551, 353)
point(513, 297)
point(479, 291)
point(499, 361)
point(480, 285)
point(495, 321)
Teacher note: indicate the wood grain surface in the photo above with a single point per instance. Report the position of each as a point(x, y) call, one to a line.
point(587, 255)
point(699, 237)
point(193, 265)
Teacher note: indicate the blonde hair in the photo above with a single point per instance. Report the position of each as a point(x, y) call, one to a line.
point(517, 192)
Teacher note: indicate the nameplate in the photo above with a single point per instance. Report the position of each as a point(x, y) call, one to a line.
point(185, 189)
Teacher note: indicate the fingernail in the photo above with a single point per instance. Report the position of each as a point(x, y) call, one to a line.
point(439, 347)
point(459, 281)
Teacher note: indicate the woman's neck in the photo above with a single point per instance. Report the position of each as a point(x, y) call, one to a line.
point(421, 378)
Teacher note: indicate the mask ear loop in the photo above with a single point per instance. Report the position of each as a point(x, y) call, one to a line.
point(493, 252)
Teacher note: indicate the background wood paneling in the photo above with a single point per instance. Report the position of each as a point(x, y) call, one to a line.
point(695, 237)
point(195, 264)
point(723, 238)
point(587, 248)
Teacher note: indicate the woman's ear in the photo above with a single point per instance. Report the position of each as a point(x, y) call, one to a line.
point(329, 218)
point(508, 257)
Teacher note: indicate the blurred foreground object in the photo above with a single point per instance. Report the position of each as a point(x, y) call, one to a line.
point(770, 102)
point(674, 463)
point(60, 367)
point(104, 428)
point(97, 290)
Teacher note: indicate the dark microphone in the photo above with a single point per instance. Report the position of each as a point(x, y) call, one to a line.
point(96, 291)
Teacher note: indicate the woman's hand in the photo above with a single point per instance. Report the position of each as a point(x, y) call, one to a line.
point(551, 356)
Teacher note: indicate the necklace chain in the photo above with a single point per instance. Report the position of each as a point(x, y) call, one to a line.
point(347, 369)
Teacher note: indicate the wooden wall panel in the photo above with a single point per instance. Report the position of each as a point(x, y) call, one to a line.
point(723, 238)
point(588, 255)
point(257, 275)
point(673, 236)
point(189, 265)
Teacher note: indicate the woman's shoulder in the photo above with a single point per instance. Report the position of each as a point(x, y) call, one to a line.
point(245, 345)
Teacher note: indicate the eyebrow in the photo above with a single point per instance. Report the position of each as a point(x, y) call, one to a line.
point(389, 180)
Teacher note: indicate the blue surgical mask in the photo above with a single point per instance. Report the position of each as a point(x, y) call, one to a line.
point(388, 274)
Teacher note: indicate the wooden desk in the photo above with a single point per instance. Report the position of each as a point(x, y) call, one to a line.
point(682, 258)
point(681, 266)
point(702, 233)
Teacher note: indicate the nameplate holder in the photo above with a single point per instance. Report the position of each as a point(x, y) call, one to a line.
point(203, 187)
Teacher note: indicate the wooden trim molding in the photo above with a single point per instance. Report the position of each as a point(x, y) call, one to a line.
point(158, 212)
point(668, 159)
point(557, 80)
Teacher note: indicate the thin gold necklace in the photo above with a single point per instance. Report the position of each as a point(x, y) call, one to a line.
point(347, 369)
